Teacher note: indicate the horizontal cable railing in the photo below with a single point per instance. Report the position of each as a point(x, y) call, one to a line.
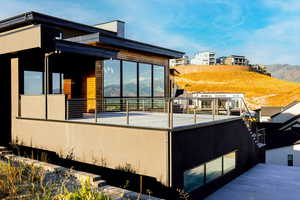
point(145, 112)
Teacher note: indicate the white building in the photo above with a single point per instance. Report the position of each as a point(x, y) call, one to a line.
point(288, 155)
point(180, 61)
point(204, 58)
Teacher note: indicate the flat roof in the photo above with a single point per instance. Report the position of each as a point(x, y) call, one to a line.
point(91, 32)
point(126, 43)
point(35, 17)
point(262, 182)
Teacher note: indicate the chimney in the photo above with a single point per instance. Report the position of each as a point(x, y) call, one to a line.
point(114, 26)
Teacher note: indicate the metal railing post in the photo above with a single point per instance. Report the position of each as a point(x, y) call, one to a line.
point(67, 109)
point(96, 118)
point(144, 105)
point(195, 116)
point(228, 109)
point(127, 112)
point(172, 114)
point(213, 109)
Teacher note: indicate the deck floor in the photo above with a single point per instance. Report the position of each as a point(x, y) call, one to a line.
point(150, 119)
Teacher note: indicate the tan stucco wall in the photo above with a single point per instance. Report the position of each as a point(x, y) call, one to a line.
point(57, 107)
point(33, 106)
point(145, 150)
point(20, 39)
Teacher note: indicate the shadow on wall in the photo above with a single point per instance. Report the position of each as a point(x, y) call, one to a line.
point(123, 176)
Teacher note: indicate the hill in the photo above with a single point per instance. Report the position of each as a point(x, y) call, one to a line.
point(285, 72)
point(260, 90)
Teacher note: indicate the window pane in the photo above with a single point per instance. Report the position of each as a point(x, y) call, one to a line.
point(129, 79)
point(33, 83)
point(159, 81)
point(193, 178)
point(229, 162)
point(112, 78)
point(56, 83)
point(145, 79)
point(213, 169)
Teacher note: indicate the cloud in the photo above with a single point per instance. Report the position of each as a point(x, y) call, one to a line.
point(276, 43)
point(285, 5)
point(191, 25)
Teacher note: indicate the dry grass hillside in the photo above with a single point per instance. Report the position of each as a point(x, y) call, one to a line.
point(260, 90)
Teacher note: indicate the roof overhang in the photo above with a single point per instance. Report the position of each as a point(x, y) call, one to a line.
point(38, 18)
point(83, 49)
point(126, 44)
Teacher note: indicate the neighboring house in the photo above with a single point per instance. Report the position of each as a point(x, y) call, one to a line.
point(84, 91)
point(286, 155)
point(266, 112)
point(221, 102)
point(179, 61)
point(233, 60)
point(204, 58)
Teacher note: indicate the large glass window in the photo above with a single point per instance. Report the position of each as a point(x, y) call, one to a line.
point(145, 80)
point(112, 78)
point(159, 81)
point(129, 79)
point(193, 178)
point(207, 172)
point(229, 162)
point(33, 83)
point(213, 169)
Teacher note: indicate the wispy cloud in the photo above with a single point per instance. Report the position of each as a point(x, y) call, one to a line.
point(286, 5)
point(264, 30)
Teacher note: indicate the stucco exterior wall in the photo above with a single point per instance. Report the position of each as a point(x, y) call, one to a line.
point(144, 150)
point(20, 39)
point(33, 106)
point(279, 156)
point(56, 107)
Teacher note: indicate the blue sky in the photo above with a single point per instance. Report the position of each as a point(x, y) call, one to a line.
point(266, 31)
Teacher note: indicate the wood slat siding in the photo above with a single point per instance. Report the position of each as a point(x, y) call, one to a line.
point(68, 88)
point(91, 93)
point(99, 84)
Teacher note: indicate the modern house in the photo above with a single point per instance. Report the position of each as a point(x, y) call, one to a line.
point(233, 60)
point(204, 58)
point(180, 61)
point(216, 102)
point(87, 91)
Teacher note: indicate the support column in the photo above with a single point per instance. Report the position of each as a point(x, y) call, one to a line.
point(99, 73)
point(14, 93)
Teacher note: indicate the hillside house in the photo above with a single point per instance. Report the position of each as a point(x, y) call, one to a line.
point(88, 91)
point(204, 58)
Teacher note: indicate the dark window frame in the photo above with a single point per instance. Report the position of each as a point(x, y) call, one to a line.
point(222, 170)
point(121, 96)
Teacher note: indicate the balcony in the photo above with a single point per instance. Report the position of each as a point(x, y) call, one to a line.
point(157, 113)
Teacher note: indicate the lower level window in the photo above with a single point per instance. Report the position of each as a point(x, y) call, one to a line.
point(209, 171)
point(193, 178)
point(213, 169)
